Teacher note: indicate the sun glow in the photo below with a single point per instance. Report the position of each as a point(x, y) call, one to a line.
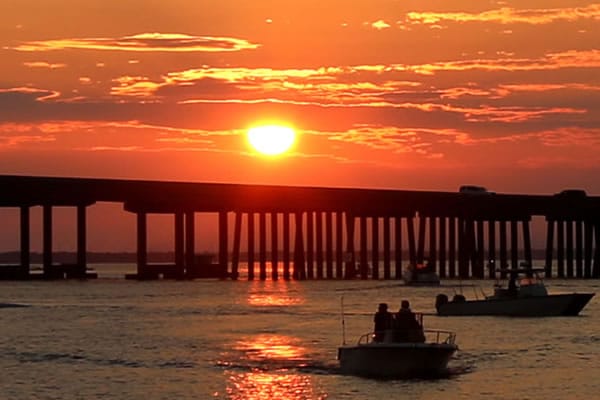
point(271, 140)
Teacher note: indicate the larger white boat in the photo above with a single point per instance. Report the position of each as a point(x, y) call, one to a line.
point(524, 296)
point(390, 359)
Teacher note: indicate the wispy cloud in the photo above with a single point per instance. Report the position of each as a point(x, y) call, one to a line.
point(508, 15)
point(44, 64)
point(339, 83)
point(143, 42)
point(38, 94)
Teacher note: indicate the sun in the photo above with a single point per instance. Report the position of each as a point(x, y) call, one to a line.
point(271, 140)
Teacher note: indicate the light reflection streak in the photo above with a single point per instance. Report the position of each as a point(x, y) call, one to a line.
point(272, 362)
point(270, 293)
point(261, 385)
point(271, 347)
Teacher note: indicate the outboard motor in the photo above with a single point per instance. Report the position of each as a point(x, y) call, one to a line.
point(440, 299)
point(458, 298)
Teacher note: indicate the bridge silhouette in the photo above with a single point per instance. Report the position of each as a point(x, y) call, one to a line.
point(318, 232)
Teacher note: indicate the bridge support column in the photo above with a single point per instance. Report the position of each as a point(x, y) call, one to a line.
point(491, 260)
point(250, 246)
point(350, 258)
point(81, 241)
point(299, 262)
point(442, 245)
point(329, 245)
point(503, 249)
point(588, 227)
point(237, 239)
point(549, 247)
point(375, 247)
point(190, 241)
point(274, 247)
point(579, 249)
point(386, 249)
point(179, 245)
point(319, 243)
point(596, 265)
point(560, 248)
point(339, 245)
point(262, 245)
point(142, 246)
point(527, 242)
point(478, 272)
point(364, 263)
point(286, 246)
point(452, 247)
point(412, 248)
point(569, 255)
point(398, 246)
point(514, 244)
point(47, 240)
point(432, 258)
point(25, 243)
point(310, 244)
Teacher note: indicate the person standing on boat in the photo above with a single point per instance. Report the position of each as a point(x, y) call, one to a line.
point(383, 322)
point(406, 326)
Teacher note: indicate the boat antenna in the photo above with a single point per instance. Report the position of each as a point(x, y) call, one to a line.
point(343, 321)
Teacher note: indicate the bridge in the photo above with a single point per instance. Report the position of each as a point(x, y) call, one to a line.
point(318, 232)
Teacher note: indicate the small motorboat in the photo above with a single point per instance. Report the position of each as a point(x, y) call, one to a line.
point(389, 358)
point(525, 295)
point(420, 275)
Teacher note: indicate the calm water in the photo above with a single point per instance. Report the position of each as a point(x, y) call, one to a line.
point(111, 338)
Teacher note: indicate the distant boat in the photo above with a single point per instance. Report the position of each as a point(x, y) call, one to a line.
point(420, 275)
point(525, 295)
point(389, 359)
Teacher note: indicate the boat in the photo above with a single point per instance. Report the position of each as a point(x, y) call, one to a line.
point(420, 275)
point(392, 359)
point(524, 295)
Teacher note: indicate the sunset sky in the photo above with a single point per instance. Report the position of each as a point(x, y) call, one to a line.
point(382, 93)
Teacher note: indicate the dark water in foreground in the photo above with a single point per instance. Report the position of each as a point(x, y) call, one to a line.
point(118, 339)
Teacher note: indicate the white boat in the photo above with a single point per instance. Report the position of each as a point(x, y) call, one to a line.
point(420, 275)
point(389, 359)
point(525, 295)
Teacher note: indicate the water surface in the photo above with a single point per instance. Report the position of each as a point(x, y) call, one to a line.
point(112, 338)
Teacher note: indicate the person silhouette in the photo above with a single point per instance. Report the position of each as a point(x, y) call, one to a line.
point(383, 321)
point(406, 326)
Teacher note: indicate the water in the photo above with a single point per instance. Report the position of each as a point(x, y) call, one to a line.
point(112, 338)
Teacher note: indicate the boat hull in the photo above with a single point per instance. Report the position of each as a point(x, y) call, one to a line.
point(541, 306)
point(396, 360)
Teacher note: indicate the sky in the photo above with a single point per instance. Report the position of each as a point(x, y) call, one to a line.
point(425, 95)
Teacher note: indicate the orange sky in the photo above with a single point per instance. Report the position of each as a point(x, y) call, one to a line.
point(384, 93)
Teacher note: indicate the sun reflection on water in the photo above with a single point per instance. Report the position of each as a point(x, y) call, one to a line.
point(268, 293)
point(262, 385)
point(271, 347)
point(268, 366)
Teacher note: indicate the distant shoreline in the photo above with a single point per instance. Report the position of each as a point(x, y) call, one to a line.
point(13, 257)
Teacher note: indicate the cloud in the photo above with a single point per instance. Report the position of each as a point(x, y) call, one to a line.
point(346, 84)
point(508, 15)
point(379, 25)
point(24, 93)
point(143, 42)
point(43, 64)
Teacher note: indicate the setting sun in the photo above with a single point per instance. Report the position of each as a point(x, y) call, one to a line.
point(271, 139)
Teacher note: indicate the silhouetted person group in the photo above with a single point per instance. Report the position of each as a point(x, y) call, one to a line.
point(403, 326)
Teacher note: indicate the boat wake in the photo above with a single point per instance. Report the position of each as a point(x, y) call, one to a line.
point(13, 305)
